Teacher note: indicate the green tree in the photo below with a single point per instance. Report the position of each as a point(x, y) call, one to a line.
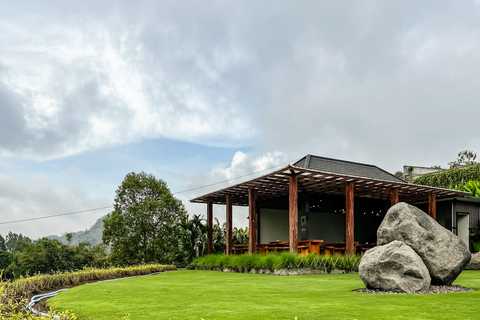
point(2, 243)
point(69, 236)
point(144, 225)
point(13, 241)
point(464, 158)
point(6, 258)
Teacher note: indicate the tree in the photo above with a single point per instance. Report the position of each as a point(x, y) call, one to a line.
point(69, 236)
point(144, 225)
point(13, 241)
point(2, 243)
point(465, 158)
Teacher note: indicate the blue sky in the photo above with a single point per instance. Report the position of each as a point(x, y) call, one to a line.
point(201, 92)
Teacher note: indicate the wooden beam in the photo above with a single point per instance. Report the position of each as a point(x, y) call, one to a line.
point(210, 227)
point(432, 206)
point(394, 197)
point(228, 236)
point(349, 218)
point(252, 225)
point(293, 213)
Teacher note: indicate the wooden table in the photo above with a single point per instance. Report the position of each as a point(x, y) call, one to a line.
point(336, 248)
point(240, 248)
point(310, 246)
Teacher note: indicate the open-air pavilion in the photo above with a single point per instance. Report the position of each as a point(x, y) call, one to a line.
point(330, 199)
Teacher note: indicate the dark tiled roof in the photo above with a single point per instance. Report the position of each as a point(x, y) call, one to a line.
point(345, 168)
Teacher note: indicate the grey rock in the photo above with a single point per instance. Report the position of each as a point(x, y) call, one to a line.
point(443, 253)
point(394, 267)
point(474, 262)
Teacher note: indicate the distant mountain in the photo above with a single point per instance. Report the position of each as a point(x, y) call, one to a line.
point(93, 235)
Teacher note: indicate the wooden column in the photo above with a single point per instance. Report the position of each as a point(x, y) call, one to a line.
point(209, 227)
point(252, 225)
point(393, 197)
point(228, 236)
point(293, 213)
point(349, 219)
point(432, 206)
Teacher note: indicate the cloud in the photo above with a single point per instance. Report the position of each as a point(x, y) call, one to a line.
point(39, 196)
point(243, 167)
point(87, 84)
point(337, 79)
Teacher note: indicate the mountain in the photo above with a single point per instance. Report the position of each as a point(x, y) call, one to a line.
point(93, 235)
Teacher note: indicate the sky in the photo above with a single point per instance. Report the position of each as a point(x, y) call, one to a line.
point(201, 92)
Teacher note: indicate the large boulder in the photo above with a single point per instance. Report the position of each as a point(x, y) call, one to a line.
point(394, 267)
point(474, 262)
point(443, 253)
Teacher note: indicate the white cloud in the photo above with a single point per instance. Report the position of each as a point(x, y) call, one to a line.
point(243, 165)
point(39, 196)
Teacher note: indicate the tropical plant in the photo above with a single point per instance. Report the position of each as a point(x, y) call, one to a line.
point(240, 236)
point(193, 238)
point(472, 186)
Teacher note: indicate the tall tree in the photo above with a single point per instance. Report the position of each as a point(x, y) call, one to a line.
point(144, 225)
point(13, 241)
point(2, 243)
point(464, 158)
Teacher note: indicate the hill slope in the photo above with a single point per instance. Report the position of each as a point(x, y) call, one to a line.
point(93, 235)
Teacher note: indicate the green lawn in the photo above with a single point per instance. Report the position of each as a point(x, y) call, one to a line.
point(217, 295)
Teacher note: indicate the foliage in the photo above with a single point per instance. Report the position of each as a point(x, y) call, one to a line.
point(472, 186)
point(11, 309)
point(49, 256)
point(271, 261)
point(6, 258)
point(451, 178)
point(144, 225)
point(464, 158)
point(13, 241)
point(193, 294)
point(399, 174)
point(2, 243)
point(240, 235)
point(193, 238)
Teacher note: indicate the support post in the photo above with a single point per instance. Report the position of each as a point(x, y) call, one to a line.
point(293, 213)
point(228, 236)
point(252, 225)
point(349, 219)
point(210, 227)
point(394, 197)
point(432, 206)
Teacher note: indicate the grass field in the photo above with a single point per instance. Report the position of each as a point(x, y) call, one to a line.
point(217, 295)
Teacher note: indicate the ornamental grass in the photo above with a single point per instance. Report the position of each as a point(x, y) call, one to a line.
point(272, 261)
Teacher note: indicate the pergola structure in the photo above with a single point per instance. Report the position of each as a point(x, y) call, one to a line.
point(292, 180)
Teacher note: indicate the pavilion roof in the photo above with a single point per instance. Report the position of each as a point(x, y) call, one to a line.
point(276, 184)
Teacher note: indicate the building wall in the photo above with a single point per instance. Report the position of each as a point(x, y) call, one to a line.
point(329, 227)
point(273, 225)
point(412, 172)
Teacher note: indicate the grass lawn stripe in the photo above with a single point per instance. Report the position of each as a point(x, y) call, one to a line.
point(217, 295)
